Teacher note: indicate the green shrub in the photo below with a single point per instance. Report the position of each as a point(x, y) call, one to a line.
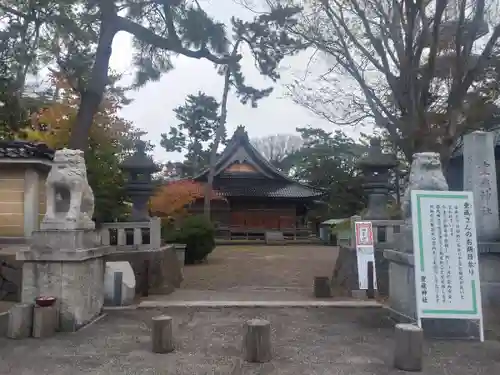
point(167, 228)
point(198, 234)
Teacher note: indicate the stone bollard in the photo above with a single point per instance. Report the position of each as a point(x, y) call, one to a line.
point(257, 341)
point(45, 321)
point(20, 321)
point(162, 334)
point(408, 353)
point(322, 287)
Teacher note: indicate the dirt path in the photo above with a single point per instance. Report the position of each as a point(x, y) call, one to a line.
point(256, 268)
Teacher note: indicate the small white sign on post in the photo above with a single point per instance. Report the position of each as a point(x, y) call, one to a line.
point(446, 256)
point(365, 252)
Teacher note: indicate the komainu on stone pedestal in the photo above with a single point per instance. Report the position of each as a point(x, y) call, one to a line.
point(426, 174)
point(70, 200)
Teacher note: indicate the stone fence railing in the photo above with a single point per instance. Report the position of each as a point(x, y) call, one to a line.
point(142, 235)
point(384, 232)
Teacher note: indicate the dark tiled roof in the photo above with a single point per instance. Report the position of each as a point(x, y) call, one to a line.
point(264, 188)
point(25, 150)
point(272, 182)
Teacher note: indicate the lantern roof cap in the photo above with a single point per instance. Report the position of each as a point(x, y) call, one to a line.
point(139, 160)
point(376, 158)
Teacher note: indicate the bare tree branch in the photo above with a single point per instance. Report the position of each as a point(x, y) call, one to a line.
point(414, 63)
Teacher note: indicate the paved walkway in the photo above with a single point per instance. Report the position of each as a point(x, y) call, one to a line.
point(257, 273)
point(305, 341)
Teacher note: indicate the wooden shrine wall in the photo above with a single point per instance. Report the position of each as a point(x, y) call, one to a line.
point(259, 218)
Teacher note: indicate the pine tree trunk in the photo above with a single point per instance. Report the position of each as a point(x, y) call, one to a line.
point(92, 95)
point(218, 135)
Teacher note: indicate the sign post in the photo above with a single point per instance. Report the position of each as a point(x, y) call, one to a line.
point(446, 256)
point(365, 253)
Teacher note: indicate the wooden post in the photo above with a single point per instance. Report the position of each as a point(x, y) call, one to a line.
point(162, 334)
point(257, 341)
point(370, 292)
point(408, 353)
point(322, 287)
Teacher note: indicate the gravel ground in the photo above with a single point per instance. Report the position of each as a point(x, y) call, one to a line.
point(261, 267)
point(208, 341)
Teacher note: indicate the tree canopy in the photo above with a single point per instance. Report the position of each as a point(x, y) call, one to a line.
point(77, 36)
point(195, 134)
point(424, 71)
point(328, 160)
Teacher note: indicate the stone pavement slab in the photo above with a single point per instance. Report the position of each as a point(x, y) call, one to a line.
point(324, 341)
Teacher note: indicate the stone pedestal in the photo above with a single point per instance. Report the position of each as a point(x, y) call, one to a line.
point(402, 296)
point(403, 302)
point(45, 321)
point(67, 265)
point(426, 174)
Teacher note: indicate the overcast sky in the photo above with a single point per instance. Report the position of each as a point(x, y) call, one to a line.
point(152, 108)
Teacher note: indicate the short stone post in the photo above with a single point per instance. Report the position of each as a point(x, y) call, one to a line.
point(20, 321)
point(257, 341)
point(45, 321)
point(162, 334)
point(408, 353)
point(322, 287)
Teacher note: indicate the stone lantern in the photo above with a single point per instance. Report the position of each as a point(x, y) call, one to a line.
point(139, 167)
point(375, 166)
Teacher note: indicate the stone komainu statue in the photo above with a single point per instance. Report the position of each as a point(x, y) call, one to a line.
point(426, 174)
point(70, 200)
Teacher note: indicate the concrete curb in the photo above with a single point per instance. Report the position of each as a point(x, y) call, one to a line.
point(120, 308)
point(259, 304)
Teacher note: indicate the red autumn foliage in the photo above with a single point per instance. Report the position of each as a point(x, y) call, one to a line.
point(175, 197)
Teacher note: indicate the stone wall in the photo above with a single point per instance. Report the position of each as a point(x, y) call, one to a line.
point(164, 270)
point(402, 296)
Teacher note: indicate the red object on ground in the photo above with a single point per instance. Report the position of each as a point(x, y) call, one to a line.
point(45, 301)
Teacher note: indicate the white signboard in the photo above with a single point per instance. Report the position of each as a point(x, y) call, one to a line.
point(365, 252)
point(446, 255)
